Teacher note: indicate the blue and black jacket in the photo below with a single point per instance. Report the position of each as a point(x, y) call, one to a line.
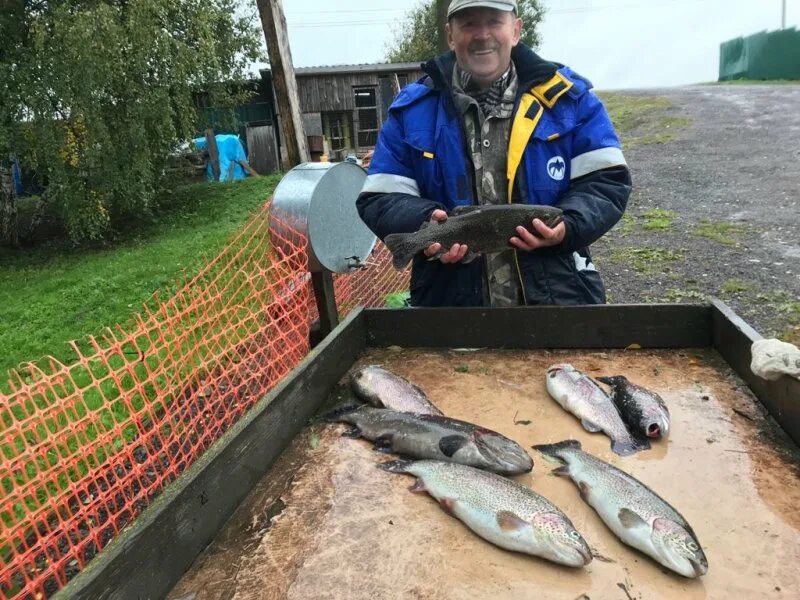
point(563, 151)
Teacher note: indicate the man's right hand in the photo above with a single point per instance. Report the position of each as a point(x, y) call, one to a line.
point(455, 254)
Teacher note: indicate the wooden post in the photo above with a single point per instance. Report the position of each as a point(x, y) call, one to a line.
point(441, 19)
point(322, 282)
point(213, 153)
point(283, 79)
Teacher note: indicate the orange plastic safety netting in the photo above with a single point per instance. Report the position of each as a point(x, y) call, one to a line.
point(86, 446)
point(377, 285)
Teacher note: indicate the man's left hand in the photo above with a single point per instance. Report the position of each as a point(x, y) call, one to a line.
point(545, 236)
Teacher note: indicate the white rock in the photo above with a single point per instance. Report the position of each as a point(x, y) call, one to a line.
point(773, 358)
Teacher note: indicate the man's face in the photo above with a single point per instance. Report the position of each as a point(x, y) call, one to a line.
point(482, 39)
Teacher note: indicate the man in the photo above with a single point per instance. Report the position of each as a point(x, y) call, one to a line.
point(493, 123)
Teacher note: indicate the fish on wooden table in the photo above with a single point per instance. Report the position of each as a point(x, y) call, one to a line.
point(644, 411)
point(579, 394)
point(485, 228)
point(382, 388)
point(499, 510)
point(433, 437)
point(634, 512)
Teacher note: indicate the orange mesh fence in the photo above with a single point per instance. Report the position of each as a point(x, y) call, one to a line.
point(373, 285)
point(86, 446)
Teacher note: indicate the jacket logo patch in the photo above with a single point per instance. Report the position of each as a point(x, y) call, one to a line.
point(556, 168)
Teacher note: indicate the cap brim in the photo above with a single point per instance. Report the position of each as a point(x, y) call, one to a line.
point(504, 6)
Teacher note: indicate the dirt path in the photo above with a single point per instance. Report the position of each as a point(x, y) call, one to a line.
point(729, 179)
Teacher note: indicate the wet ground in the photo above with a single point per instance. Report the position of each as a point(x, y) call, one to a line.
point(325, 523)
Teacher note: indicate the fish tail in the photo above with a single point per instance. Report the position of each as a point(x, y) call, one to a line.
point(555, 450)
point(402, 248)
point(337, 414)
point(396, 466)
point(631, 446)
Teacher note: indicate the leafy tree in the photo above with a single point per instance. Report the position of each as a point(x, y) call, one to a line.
point(96, 94)
point(418, 34)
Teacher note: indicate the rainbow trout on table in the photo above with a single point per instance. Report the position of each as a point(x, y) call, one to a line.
point(434, 437)
point(634, 512)
point(499, 510)
point(581, 396)
point(384, 389)
point(644, 411)
point(481, 228)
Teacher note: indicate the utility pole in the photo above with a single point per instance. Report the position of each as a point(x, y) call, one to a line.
point(441, 19)
point(273, 22)
point(783, 15)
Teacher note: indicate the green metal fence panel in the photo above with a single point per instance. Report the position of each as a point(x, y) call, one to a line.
point(764, 55)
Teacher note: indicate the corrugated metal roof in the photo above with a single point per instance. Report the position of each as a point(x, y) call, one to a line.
point(362, 68)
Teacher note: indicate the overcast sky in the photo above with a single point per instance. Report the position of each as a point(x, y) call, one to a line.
point(615, 43)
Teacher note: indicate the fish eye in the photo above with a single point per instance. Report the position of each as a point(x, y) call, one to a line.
point(692, 546)
point(574, 534)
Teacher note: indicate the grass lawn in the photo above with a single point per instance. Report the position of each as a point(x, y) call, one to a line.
point(51, 295)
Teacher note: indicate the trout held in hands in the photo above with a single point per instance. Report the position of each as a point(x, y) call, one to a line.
point(481, 228)
point(634, 512)
point(581, 396)
point(434, 437)
point(384, 389)
point(644, 411)
point(499, 510)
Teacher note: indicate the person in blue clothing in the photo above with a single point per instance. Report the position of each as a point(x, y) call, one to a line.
point(493, 123)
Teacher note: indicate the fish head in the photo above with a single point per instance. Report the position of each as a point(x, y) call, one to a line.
point(555, 538)
point(504, 455)
point(655, 421)
point(366, 381)
point(678, 548)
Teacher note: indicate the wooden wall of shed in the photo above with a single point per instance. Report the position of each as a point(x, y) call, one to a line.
point(320, 93)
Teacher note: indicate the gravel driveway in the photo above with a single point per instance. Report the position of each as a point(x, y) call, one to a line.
point(716, 208)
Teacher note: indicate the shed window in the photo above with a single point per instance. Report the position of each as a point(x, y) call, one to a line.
point(367, 106)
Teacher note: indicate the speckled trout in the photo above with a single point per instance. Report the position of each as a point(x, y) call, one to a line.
point(482, 228)
point(634, 512)
point(435, 437)
point(382, 388)
point(644, 411)
point(581, 396)
point(499, 510)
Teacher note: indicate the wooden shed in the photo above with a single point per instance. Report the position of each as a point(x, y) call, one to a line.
point(344, 106)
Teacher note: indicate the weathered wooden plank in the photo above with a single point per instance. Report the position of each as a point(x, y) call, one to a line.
point(148, 558)
point(733, 339)
point(606, 326)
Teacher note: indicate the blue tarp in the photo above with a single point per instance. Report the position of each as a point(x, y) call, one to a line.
point(230, 150)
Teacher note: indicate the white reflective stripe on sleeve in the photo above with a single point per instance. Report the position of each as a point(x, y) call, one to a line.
point(602, 158)
point(383, 183)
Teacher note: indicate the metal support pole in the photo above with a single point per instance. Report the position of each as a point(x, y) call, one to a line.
point(322, 282)
point(783, 15)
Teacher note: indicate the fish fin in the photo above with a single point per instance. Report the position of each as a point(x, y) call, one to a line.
point(335, 414)
point(606, 380)
point(450, 444)
point(383, 443)
point(627, 448)
point(448, 505)
point(589, 426)
point(562, 471)
point(402, 248)
point(463, 210)
point(552, 450)
point(396, 466)
point(418, 486)
point(508, 521)
point(630, 520)
point(352, 432)
point(584, 490)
